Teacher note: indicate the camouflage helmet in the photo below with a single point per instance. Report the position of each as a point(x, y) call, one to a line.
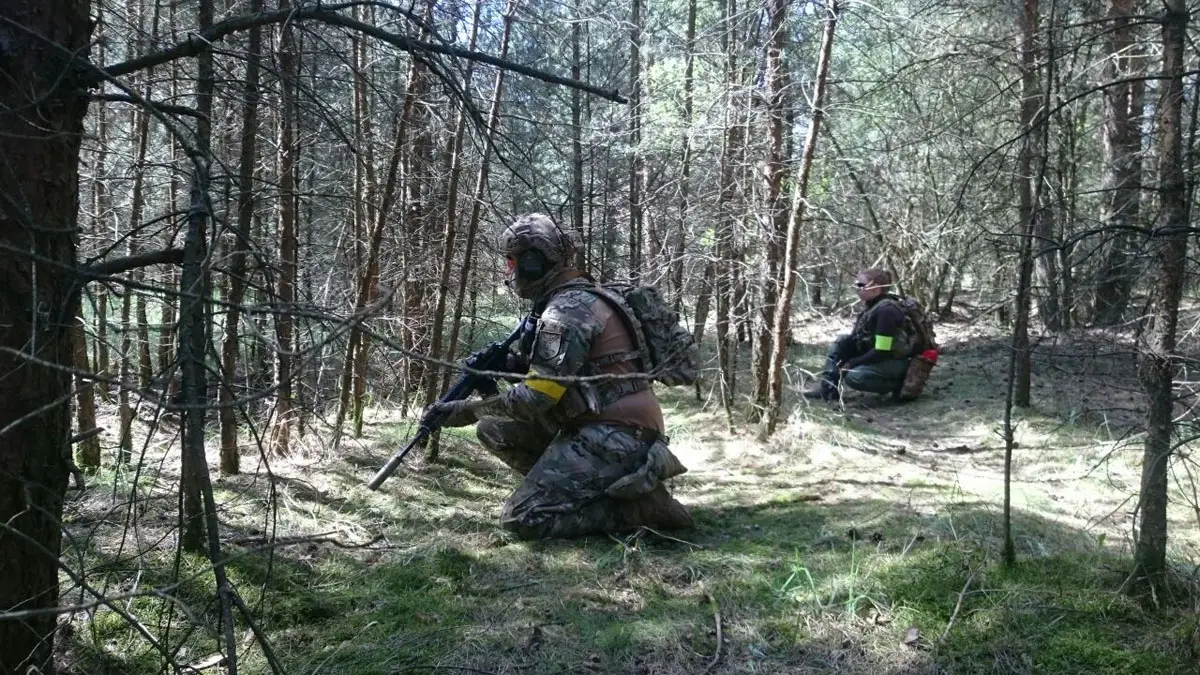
point(537, 232)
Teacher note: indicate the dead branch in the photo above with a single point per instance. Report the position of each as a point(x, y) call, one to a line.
point(716, 610)
point(957, 607)
point(170, 256)
point(199, 41)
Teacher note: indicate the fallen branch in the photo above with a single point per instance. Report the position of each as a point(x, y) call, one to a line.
point(957, 607)
point(716, 610)
point(84, 435)
point(170, 256)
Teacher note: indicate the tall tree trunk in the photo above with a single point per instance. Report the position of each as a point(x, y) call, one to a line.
point(635, 141)
point(132, 344)
point(577, 193)
point(367, 217)
point(685, 177)
point(1046, 279)
point(1120, 141)
point(87, 453)
point(288, 242)
point(724, 277)
point(791, 262)
point(40, 133)
point(1030, 104)
point(247, 170)
point(1158, 362)
point(125, 413)
point(433, 377)
point(481, 183)
point(194, 313)
point(775, 210)
point(102, 210)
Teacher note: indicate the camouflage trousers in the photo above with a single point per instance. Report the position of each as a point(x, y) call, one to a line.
point(594, 479)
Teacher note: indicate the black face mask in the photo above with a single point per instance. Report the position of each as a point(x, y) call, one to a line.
point(529, 274)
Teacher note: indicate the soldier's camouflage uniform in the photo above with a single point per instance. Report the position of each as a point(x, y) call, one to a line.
point(580, 478)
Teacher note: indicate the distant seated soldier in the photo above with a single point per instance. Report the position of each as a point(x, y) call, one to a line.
point(874, 357)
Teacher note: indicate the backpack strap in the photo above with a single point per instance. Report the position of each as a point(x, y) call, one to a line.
point(617, 302)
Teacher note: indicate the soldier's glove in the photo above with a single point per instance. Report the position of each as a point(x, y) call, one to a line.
point(457, 413)
point(517, 365)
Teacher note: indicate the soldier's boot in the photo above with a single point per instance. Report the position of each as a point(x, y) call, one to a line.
point(823, 389)
point(659, 510)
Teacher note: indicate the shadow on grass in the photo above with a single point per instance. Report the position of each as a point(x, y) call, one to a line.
point(800, 585)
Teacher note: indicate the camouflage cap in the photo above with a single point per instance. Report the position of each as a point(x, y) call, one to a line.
point(536, 231)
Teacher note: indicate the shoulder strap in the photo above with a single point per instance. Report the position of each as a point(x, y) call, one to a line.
point(617, 302)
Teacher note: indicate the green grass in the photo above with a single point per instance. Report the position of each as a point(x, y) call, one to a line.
point(824, 550)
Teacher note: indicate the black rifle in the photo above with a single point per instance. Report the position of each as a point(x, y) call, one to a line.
point(493, 357)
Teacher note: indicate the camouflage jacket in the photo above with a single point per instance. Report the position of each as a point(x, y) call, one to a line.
point(566, 330)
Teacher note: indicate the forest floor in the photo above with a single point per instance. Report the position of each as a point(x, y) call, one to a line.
point(863, 538)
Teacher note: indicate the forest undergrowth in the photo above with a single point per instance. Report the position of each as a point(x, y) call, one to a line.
point(863, 538)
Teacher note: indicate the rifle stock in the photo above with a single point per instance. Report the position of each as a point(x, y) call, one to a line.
point(493, 357)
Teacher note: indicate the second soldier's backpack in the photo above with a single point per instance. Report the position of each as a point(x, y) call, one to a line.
point(667, 349)
point(922, 323)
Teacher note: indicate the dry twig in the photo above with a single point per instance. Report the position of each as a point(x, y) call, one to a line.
point(716, 610)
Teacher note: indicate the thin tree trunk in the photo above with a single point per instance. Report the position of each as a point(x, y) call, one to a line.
point(366, 214)
point(288, 243)
point(1158, 363)
point(102, 208)
point(194, 313)
point(775, 210)
point(87, 453)
point(433, 380)
point(635, 141)
point(481, 185)
point(247, 170)
point(685, 177)
point(1120, 139)
point(1045, 261)
point(577, 199)
point(724, 278)
point(791, 261)
point(1030, 104)
point(132, 344)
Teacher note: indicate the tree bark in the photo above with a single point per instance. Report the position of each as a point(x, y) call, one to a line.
point(577, 199)
point(87, 452)
point(44, 101)
point(1120, 141)
point(635, 141)
point(775, 211)
point(724, 278)
point(1158, 362)
point(194, 312)
point(247, 171)
point(1030, 104)
point(433, 379)
point(288, 243)
point(675, 266)
point(481, 183)
point(791, 262)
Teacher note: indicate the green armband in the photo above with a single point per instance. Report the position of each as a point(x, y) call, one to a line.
point(883, 343)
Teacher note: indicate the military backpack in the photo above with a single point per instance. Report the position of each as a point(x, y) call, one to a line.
point(667, 349)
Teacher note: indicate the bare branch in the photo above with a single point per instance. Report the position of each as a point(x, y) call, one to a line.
point(199, 41)
point(170, 256)
point(164, 107)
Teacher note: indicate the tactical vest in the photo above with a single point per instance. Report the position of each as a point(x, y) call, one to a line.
point(906, 341)
point(592, 397)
